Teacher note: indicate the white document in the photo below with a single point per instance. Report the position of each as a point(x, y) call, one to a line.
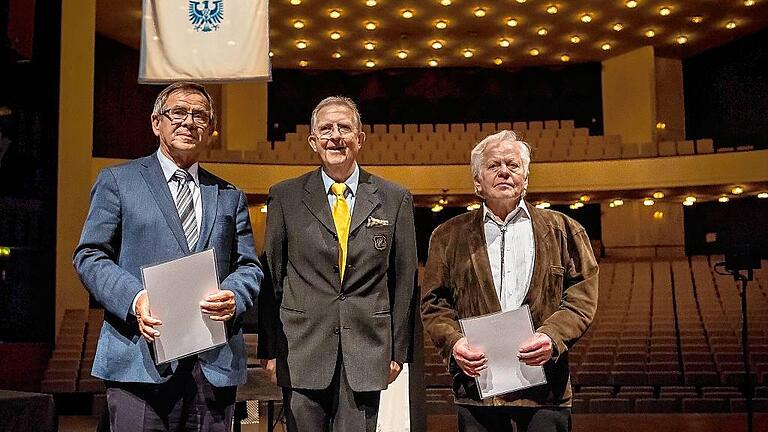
point(499, 336)
point(395, 405)
point(175, 289)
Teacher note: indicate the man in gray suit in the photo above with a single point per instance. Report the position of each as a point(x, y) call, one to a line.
point(336, 318)
point(155, 209)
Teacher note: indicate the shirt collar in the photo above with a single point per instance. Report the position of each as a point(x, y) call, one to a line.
point(169, 168)
point(521, 208)
point(351, 182)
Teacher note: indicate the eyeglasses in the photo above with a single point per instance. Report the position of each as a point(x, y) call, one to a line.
point(178, 115)
point(326, 131)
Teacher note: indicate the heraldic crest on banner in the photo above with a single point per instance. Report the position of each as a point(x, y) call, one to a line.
point(206, 15)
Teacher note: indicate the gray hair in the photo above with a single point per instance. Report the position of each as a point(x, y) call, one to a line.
point(336, 100)
point(476, 156)
point(187, 86)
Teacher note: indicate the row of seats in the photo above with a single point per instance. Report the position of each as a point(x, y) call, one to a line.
point(450, 144)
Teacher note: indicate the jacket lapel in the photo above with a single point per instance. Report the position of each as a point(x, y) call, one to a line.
point(479, 255)
point(158, 186)
point(316, 200)
point(540, 233)
point(365, 202)
point(209, 197)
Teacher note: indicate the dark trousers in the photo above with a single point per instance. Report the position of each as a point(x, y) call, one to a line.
point(498, 419)
point(337, 408)
point(186, 402)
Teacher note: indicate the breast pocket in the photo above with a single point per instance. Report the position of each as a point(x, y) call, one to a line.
point(380, 238)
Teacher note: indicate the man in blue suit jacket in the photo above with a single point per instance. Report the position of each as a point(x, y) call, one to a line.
point(155, 209)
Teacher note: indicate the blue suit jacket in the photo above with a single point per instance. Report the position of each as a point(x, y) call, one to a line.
point(133, 222)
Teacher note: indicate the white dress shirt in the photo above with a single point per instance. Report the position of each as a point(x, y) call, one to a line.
point(169, 168)
point(351, 192)
point(511, 254)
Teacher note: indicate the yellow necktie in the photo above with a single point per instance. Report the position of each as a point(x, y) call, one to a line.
point(342, 219)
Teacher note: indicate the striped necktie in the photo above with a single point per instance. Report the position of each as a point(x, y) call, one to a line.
point(186, 207)
point(342, 219)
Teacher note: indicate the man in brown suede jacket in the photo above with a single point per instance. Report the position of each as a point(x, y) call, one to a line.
point(500, 257)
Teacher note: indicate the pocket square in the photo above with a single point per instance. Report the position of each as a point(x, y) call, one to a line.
point(373, 222)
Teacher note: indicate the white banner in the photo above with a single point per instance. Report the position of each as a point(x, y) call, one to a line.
point(204, 40)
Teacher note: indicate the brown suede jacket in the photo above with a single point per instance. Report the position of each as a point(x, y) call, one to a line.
point(562, 296)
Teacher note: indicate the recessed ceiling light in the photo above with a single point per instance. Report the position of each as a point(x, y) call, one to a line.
point(370, 3)
point(334, 13)
point(691, 198)
point(688, 203)
point(436, 45)
point(370, 45)
point(335, 35)
point(298, 24)
point(303, 63)
point(370, 25)
point(650, 33)
point(661, 125)
point(543, 205)
point(586, 18)
point(512, 22)
point(407, 14)
point(618, 202)
point(534, 52)
point(467, 53)
point(618, 27)
point(605, 47)
point(552, 9)
point(658, 215)
point(479, 12)
point(542, 31)
point(730, 25)
point(445, 2)
point(295, 2)
point(681, 39)
point(749, 2)
point(658, 194)
point(504, 43)
point(723, 199)
point(521, 1)
point(370, 63)
point(498, 60)
point(441, 24)
point(301, 44)
point(432, 63)
point(336, 54)
point(648, 202)
point(762, 195)
point(737, 190)
point(271, 53)
point(665, 11)
point(402, 54)
point(631, 4)
point(565, 58)
point(575, 39)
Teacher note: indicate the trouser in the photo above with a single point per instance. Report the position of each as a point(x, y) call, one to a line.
point(497, 419)
point(336, 408)
point(186, 402)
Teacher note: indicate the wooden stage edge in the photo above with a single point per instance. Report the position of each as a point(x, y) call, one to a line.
point(715, 422)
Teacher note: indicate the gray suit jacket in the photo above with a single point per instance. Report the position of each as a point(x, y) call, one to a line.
point(306, 314)
point(133, 222)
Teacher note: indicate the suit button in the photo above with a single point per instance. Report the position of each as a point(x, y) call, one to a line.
point(342, 297)
point(336, 268)
point(337, 330)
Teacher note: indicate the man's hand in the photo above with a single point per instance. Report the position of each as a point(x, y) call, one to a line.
point(269, 366)
point(220, 305)
point(145, 319)
point(536, 351)
point(394, 371)
point(471, 361)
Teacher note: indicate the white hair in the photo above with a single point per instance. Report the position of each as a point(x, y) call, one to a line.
point(336, 100)
point(476, 156)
